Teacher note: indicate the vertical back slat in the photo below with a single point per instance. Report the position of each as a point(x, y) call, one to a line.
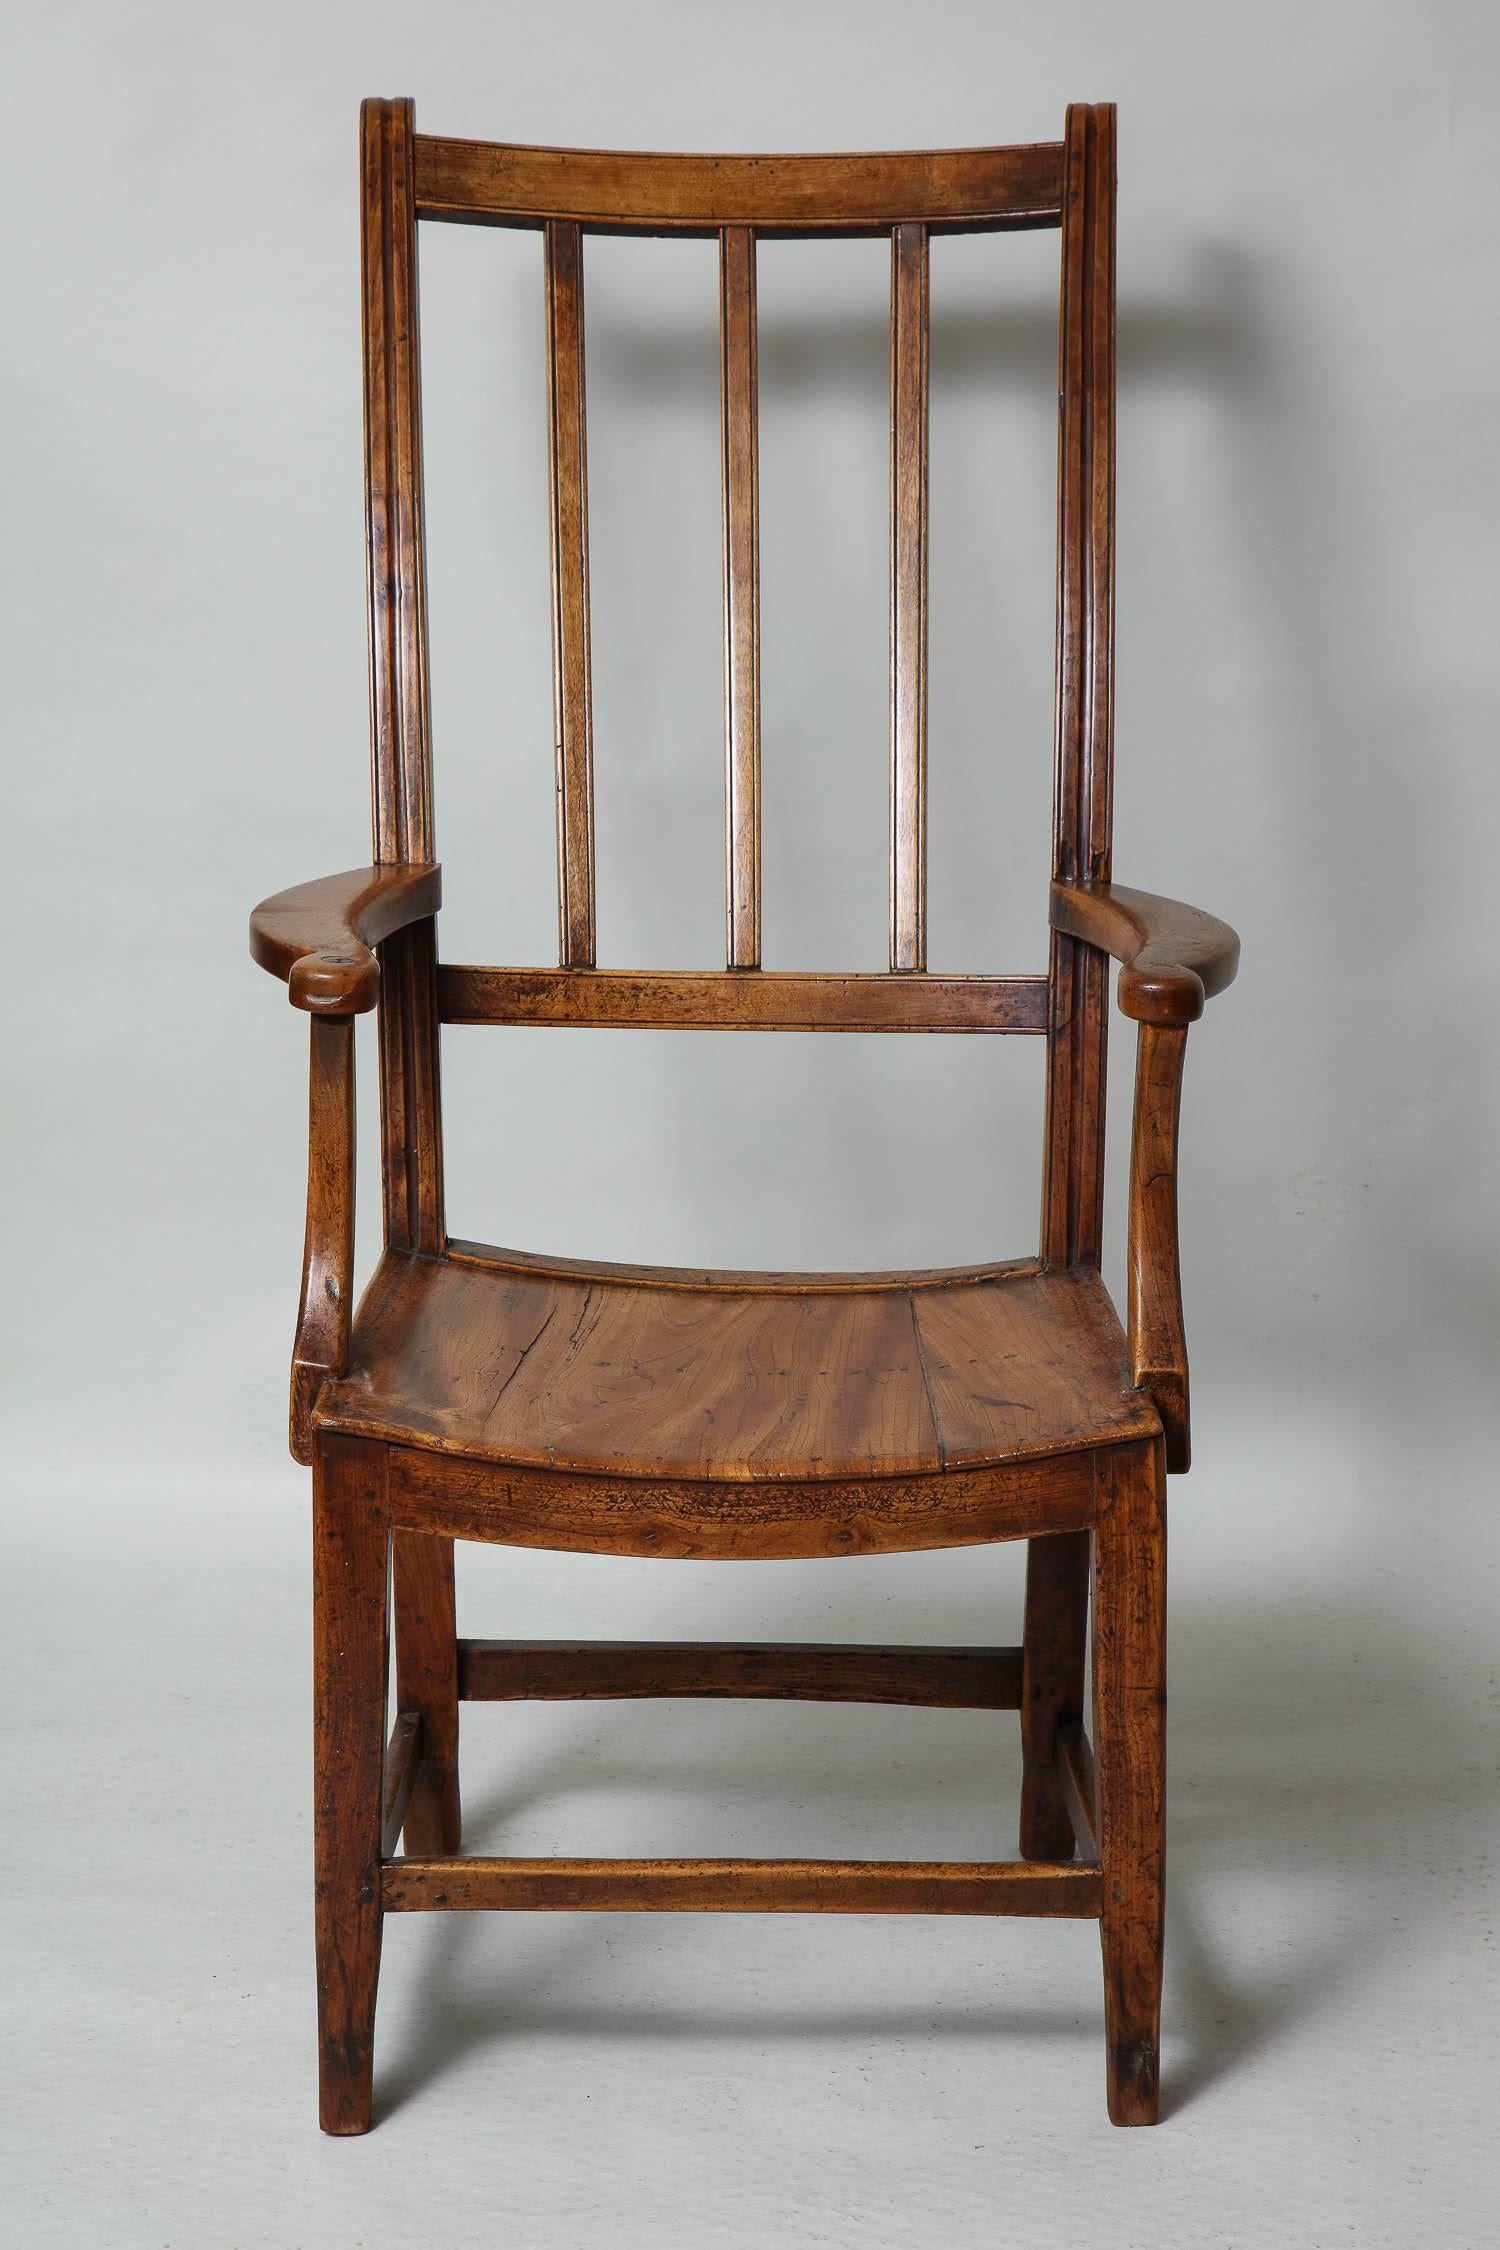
point(572, 694)
point(400, 732)
point(908, 817)
point(740, 440)
point(1073, 1193)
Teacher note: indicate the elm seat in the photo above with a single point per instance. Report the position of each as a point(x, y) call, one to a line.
point(734, 1378)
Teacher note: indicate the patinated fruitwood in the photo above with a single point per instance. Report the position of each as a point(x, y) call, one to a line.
point(957, 189)
point(573, 692)
point(403, 1758)
point(743, 1886)
point(321, 1350)
point(950, 1679)
point(400, 720)
point(1172, 957)
point(1130, 1709)
point(427, 1683)
point(1158, 1340)
point(688, 1000)
point(1052, 1668)
point(320, 938)
point(351, 1544)
point(909, 323)
point(505, 1396)
point(740, 422)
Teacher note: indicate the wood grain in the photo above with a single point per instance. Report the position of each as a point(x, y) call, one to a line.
point(320, 1349)
point(350, 1546)
point(426, 1633)
point(489, 1258)
point(1156, 1332)
point(402, 1757)
point(1012, 1367)
point(1073, 1189)
point(410, 1099)
point(571, 683)
point(741, 1886)
point(739, 419)
point(320, 937)
point(1130, 1593)
point(1173, 957)
point(719, 1385)
point(400, 718)
point(953, 1679)
point(493, 184)
point(707, 1520)
point(725, 1000)
point(908, 780)
point(1054, 1646)
point(1080, 1787)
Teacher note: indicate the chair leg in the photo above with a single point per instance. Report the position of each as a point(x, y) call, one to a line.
point(1055, 1638)
point(350, 1555)
point(1130, 1620)
point(427, 1683)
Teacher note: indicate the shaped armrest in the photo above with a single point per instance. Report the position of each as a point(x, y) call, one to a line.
point(319, 938)
point(1172, 957)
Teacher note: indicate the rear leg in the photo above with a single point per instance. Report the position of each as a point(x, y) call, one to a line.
point(1055, 1639)
point(427, 1683)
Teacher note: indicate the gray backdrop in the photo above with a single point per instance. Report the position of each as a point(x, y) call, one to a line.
point(1308, 467)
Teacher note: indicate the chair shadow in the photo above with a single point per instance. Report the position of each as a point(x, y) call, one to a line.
point(1317, 1749)
point(1273, 1780)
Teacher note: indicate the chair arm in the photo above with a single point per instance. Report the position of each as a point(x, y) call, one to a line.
point(1172, 958)
point(319, 938)
point(321, 1348)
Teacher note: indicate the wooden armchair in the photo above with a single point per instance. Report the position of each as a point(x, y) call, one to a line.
point(485, 1394)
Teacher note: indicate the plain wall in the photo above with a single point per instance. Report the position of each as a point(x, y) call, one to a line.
point(1308, 469)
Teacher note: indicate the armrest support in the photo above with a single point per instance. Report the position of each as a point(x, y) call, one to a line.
point(1172, 957)
point(1154, 1326)
point(321, 1349)
point(319, 938)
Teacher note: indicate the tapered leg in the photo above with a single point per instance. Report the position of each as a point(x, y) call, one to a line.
point(350, 1551)
point(427, 1683)
point(1055, 1638)
point(1130, 1618)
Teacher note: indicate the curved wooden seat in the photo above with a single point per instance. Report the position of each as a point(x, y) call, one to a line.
point(697, 1391)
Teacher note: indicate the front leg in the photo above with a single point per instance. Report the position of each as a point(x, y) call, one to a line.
point(1130, 1623)
point(350, 1554)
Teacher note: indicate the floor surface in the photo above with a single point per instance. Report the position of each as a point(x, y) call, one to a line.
point(1330, 2047)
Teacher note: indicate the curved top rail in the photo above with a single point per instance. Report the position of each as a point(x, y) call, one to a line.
point(486, 183)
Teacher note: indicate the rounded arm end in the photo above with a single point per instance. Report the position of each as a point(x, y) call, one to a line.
point(319, 938)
